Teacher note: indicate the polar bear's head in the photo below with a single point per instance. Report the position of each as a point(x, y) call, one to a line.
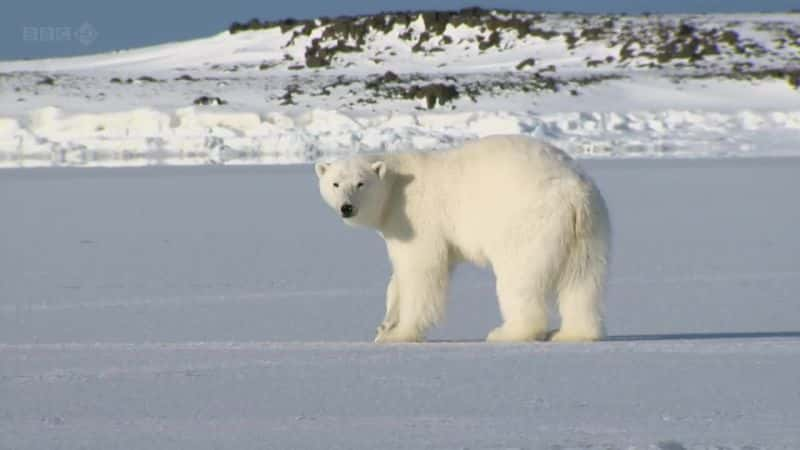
point(355, 189)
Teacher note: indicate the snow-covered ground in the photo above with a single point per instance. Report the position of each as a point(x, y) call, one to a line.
point(226, 307)
point(618, 86)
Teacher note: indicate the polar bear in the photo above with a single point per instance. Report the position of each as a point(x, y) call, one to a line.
point(515, 204)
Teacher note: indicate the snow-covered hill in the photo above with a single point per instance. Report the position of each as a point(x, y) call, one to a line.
point(293, 91)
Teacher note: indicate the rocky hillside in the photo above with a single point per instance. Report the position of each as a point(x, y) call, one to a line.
point(679, 46)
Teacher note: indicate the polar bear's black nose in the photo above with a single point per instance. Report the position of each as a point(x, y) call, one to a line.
point(347, 210)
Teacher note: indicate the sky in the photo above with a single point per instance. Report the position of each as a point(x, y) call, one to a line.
point(38, 29)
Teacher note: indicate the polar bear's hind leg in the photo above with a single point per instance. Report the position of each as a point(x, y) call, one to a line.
point(582, 284)
point(523, 305)
point(579, 307)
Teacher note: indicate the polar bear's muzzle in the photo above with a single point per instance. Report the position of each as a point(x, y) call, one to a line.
point(347, 210)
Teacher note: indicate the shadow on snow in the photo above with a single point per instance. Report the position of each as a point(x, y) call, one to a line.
point(667, 337)
point(702, 336)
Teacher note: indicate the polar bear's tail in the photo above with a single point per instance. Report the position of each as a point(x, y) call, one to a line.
point(582, 284)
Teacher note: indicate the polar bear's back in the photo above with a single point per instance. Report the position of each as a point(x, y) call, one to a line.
point(492, 167)
point(510, 152)
point(501, 166)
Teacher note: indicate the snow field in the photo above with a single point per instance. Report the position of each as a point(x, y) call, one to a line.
point(208, 307)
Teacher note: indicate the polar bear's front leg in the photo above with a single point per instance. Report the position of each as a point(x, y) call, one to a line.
point(415, 300)
point(392, 329)
point(392, 317)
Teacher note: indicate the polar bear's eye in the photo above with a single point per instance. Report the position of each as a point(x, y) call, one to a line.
point(360, 185)
point(335, 184)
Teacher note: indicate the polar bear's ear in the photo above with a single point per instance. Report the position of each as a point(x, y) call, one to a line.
point(320, 168)
point(379, 168)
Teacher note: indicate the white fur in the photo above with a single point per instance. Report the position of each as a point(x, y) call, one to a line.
point(515, 204)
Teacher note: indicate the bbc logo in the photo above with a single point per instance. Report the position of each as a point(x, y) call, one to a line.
point(85, 34)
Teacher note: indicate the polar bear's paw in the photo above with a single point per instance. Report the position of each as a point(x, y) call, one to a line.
point(507, 333)
point(576, 336)
point(395, 334)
